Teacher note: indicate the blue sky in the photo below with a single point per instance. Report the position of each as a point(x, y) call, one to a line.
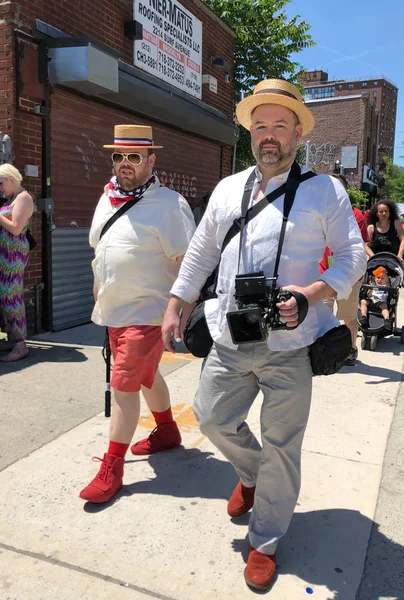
point(357, 38)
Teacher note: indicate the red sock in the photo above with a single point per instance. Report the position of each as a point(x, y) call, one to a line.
point(117, 449)
point(163, 417)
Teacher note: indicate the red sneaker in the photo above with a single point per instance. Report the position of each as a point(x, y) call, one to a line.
point(163, 437)
point(107, 482)
point(260, 570)
point(241, 500)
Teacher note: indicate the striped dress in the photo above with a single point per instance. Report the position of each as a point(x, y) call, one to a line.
point(14, 250)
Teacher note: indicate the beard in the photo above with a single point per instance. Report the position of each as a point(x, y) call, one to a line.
point(129, 179)
point(273, 156)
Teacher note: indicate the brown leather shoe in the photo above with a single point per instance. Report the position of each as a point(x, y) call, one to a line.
point(260, 570)
point(242, 499)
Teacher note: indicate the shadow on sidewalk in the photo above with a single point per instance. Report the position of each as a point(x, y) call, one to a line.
point(387, 345)
point(389, 375)
point(40, 352)
point(187, 473)
point(180, 473)
point(81, 335)
point(321, 548)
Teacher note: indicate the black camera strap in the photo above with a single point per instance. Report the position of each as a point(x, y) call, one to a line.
point(295, 178)
point(292, 183)
point(121, 211)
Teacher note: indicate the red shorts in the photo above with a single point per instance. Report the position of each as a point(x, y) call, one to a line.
point(137, 351)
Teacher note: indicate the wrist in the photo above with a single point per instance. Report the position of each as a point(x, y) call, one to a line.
point(175, 305)
point(319, 290)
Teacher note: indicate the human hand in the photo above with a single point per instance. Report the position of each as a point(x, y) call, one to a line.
point(171, 330)
point(289, 310)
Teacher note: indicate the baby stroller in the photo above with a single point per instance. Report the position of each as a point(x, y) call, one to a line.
point(377, 327)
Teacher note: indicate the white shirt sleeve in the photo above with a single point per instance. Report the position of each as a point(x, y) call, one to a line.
point(202, 256)
point(344, 239)
point(97, 222)
point(177, 228)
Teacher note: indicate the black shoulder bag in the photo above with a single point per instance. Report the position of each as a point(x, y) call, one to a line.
point(197, 336)
point(106, 351)
point(32, 243)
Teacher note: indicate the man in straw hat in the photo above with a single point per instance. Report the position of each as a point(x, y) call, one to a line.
point(136, 262)
point(279, 366)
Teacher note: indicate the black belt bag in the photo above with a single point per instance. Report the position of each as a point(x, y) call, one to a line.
point(197, 336)
point(328, 352)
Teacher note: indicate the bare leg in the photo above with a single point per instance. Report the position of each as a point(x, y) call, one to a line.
point(385, 311)
point(158, 396)
point(124, 416)
point(364, 308)
point(353, 328)
point(166, 435)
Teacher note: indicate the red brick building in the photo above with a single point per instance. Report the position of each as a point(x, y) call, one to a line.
point(345, 131)
point(72, 70)
point(382, 91)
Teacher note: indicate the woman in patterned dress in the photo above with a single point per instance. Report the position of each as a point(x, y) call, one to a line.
point(14, 250)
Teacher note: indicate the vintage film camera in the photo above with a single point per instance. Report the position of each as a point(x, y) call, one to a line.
point(256, 297)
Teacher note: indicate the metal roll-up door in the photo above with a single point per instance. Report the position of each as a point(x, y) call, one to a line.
point(72, 278)
point(80, 167)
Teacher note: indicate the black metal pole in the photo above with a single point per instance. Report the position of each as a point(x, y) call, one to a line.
point(107, 358)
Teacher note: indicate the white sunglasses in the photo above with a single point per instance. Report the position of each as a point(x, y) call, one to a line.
point(133, 158)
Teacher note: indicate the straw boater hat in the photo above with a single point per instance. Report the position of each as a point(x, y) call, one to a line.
point(275, 91)
point(132, 137)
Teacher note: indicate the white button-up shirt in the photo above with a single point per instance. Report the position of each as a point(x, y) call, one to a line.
point(321, 216)
point(135, 261)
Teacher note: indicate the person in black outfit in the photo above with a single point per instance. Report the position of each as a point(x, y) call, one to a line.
point(199, 211)
point(385, 230)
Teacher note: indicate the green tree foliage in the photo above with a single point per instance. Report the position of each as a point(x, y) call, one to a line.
point(394, 182)
point(301, 154)
point(358, 198)
point(266, 39)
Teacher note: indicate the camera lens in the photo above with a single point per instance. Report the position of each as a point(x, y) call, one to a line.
point(251, 318)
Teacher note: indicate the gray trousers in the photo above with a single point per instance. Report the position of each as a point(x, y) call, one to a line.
point(230, 382)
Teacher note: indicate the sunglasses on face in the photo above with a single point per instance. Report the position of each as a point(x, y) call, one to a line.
point(133, 158)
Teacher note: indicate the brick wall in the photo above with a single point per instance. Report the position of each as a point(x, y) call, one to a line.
point(104, 21)
point(348, 122)
point(6, 75)
point(27, 147)
point(20, 90)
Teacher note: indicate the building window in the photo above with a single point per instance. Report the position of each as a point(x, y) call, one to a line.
point(374, 94)
point(350, 86)
point(364, 84)
point(340, 87)
point(375, 83)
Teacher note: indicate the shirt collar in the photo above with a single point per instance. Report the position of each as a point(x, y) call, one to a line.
point(277, 180)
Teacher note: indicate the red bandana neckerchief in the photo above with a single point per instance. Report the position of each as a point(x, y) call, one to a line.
point(117, 195)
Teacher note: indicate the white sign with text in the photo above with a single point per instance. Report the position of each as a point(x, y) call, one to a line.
point(171, 48)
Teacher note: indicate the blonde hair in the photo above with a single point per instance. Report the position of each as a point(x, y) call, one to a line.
point(7, 170)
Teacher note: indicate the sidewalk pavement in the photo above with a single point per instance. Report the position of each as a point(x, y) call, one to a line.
point(167, 535)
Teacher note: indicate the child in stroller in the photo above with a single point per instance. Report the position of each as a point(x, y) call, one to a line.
point(377, 298)
point(377, 315)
